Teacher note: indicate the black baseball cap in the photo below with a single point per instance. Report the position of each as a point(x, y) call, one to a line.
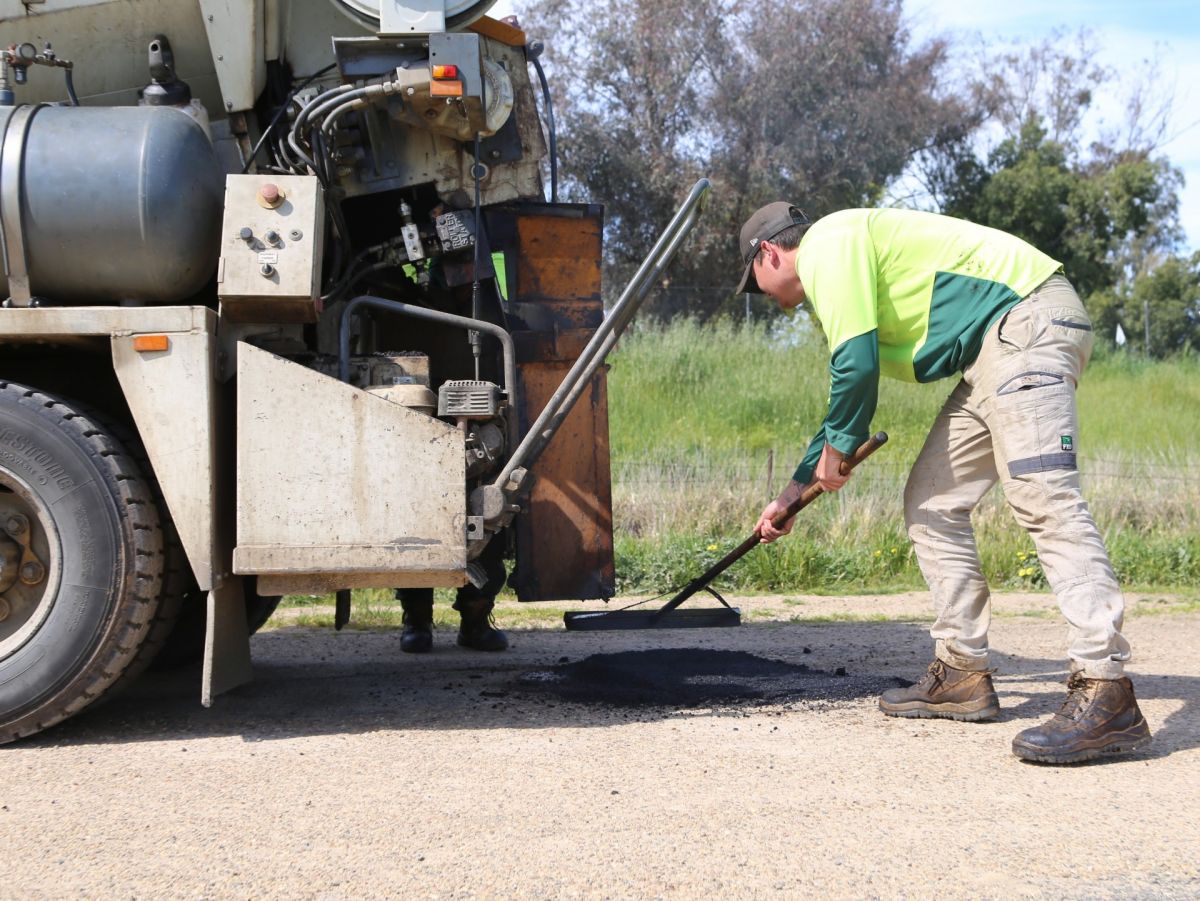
point(764, 225)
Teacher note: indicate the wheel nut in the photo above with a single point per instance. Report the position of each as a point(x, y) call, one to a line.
point(5, 610)
point(32, 572)
point(16, 525)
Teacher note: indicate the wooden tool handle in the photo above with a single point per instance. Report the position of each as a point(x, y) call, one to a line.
point(812, 492)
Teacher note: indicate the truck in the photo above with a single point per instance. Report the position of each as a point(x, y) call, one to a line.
point(288, 309)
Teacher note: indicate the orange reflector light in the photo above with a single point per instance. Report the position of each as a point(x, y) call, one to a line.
point(149, 343)
point(445, 71)
point(445, 89)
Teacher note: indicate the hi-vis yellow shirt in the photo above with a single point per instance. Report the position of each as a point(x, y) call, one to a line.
point(906, 294)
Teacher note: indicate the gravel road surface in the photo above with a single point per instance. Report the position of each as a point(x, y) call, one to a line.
point(349, 770)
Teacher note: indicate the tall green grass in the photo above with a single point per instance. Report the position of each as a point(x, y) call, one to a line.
point(698, 414)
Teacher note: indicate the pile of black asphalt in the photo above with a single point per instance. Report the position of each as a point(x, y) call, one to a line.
point(696, 677)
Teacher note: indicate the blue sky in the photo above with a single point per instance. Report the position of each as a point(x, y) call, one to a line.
point(1127, 32)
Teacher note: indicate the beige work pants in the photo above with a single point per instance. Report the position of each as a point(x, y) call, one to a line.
point(1012, 418)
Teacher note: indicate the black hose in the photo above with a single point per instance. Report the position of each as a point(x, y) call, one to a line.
point(549, 104)
point(71, 86)
point(279, 114)
point(320, 105)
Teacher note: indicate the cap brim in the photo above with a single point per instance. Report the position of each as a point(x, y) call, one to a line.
point(748, 284)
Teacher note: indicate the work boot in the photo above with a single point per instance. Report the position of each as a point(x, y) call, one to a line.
point(417, 637)
point(1099, 716)
point(476, 630)
point(955, 694)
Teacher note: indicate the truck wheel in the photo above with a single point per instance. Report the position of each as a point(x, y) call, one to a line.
point(81, 560)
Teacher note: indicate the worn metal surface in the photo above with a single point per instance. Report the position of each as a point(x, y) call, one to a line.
point(343, 487)
point(402, 154)
point(226, 641)
point(12, 178)
point(235, 31)
point(107, 40)
point(271, 254)
point(564, 537)
point(53, 323)
point(174, 398)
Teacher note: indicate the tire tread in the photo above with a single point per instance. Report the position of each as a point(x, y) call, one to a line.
point(122, 647)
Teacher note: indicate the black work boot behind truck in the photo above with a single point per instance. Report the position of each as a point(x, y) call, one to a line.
point(476, 630)
point(475, 603)
point(417, 603)
point(1099, 716)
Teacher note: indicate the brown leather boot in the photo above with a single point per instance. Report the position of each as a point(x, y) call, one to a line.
point(955, 694)
point(1100, 716)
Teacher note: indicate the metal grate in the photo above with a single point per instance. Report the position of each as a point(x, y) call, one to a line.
point(477, 400)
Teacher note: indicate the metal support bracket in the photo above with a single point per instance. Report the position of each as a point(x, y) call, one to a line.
point(12, 164)
point(226, 642)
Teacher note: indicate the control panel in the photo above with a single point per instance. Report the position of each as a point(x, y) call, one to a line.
point(271, 244)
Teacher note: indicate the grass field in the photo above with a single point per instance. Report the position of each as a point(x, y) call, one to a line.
point(707, 424)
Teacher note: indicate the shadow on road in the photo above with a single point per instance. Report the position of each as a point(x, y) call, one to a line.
point(319, 683)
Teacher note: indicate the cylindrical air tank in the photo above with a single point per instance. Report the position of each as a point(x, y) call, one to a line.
point(116, 203)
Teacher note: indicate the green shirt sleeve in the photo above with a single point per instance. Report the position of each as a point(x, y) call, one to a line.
point(837, 266)
point(853, 395)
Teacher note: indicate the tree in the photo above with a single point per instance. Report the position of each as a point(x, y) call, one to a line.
point(1107, 209)
point(1164, 301)
point(822, 102)
point(1089, 215)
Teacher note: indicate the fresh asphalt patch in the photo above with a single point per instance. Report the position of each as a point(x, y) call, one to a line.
point(695, 677)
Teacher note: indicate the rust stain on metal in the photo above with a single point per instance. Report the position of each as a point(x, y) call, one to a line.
point(565, 544)
point(559, 261)
point(564, 538)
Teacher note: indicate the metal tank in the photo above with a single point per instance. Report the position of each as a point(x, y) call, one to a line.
point(107, 204)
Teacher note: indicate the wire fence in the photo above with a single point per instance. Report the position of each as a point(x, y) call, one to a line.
point(772, 470)
point(652, 495)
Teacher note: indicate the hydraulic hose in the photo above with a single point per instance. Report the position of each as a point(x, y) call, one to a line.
point(333, 98)
point(535, 51)
point(70, 78)
point(281, 112)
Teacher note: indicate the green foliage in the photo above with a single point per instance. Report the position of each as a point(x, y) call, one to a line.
point(822, 102)
point(1167, 299)
point(1082, 214)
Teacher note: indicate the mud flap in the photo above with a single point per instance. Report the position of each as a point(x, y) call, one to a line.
point(226, 641)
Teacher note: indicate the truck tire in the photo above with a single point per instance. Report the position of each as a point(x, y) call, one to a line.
point(94, 525)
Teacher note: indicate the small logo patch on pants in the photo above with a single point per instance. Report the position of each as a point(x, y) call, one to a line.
point(1067, 443)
